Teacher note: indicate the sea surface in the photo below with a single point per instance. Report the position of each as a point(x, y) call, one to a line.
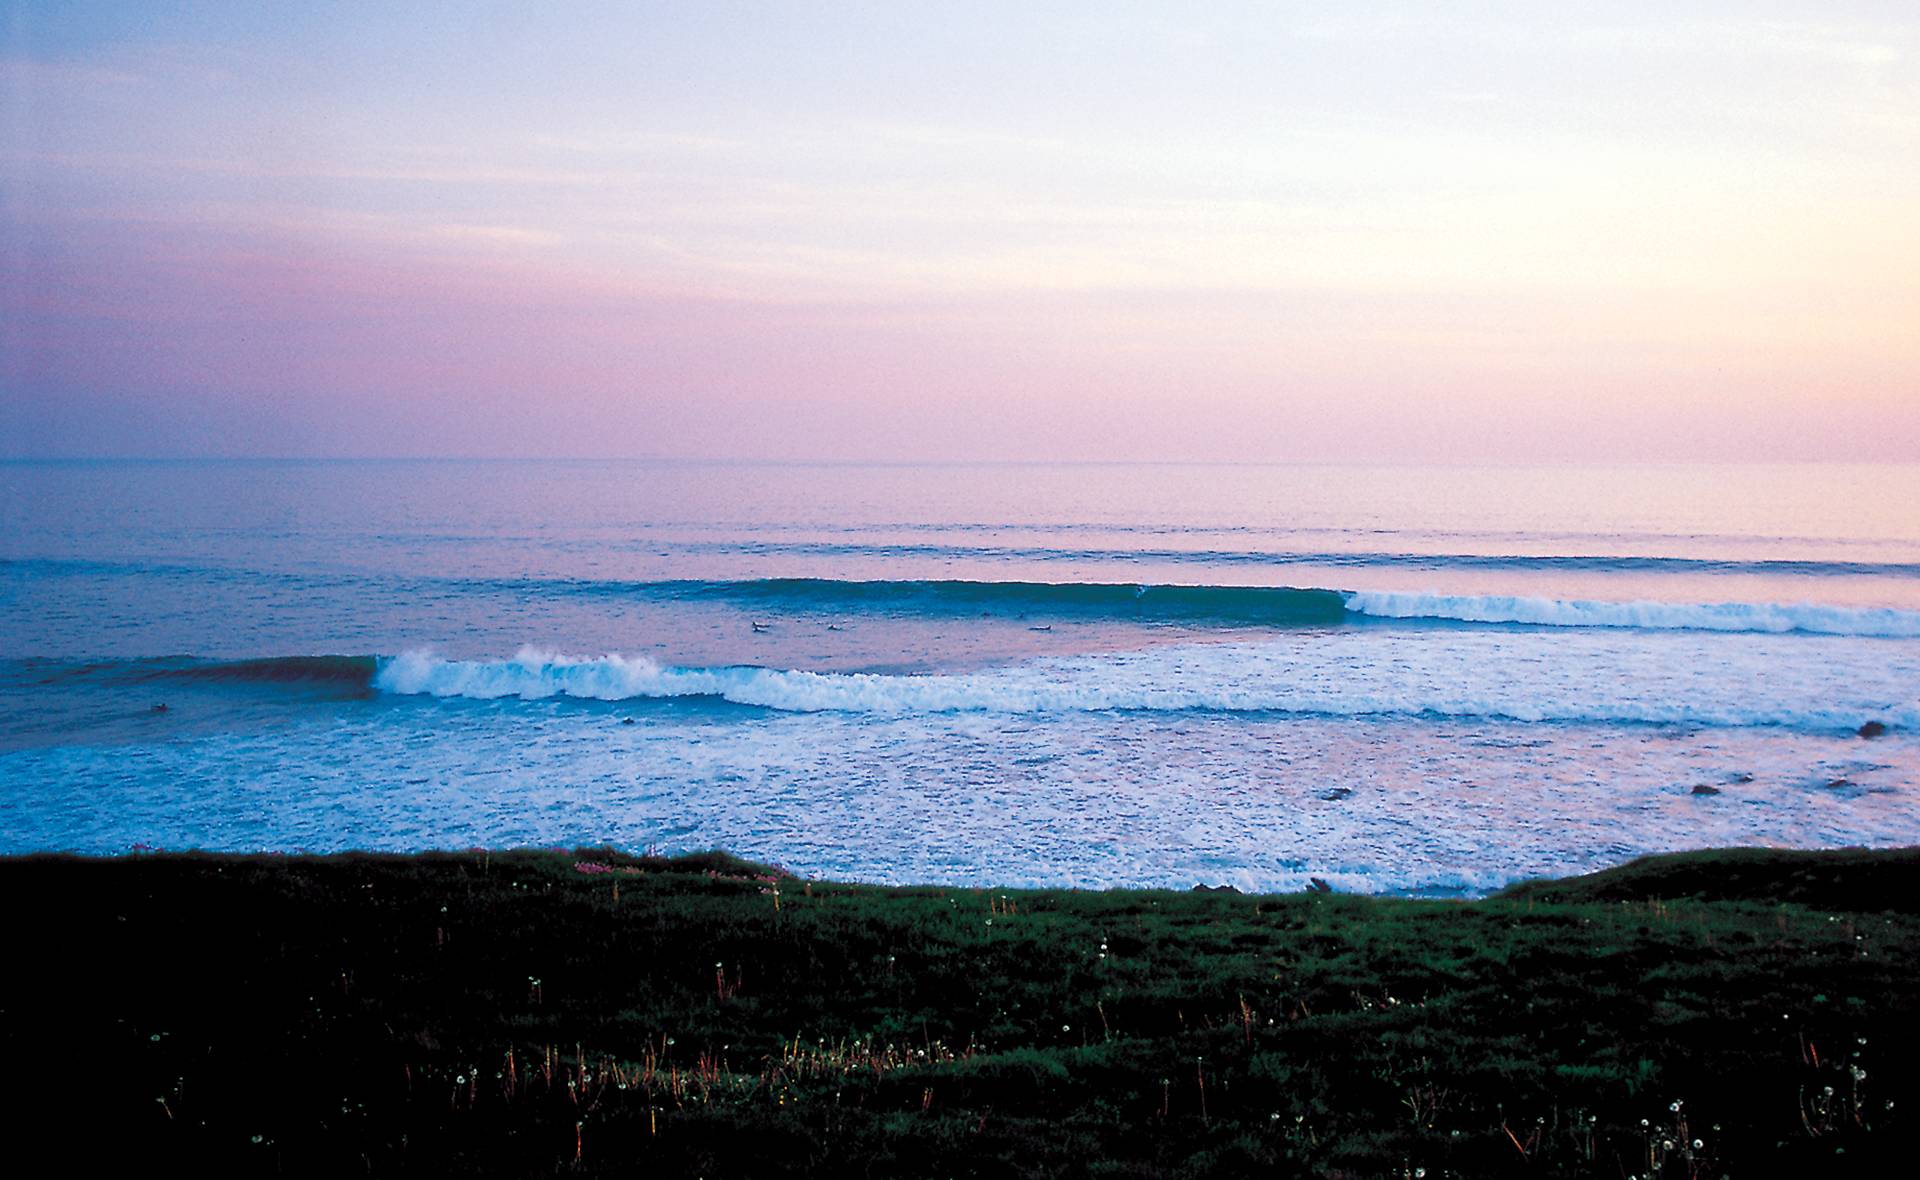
point(1430, 681)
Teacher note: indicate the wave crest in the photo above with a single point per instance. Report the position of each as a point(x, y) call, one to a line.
point(1595, 684)
point(1760, 617)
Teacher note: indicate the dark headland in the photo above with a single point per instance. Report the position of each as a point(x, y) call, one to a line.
point(594, 1013)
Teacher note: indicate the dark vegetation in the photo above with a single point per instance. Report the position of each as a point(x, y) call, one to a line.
point(531, 1013)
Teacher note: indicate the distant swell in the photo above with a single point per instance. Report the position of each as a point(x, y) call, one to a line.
point(1201, 604)
point(345, 673)
point(1762, 617)
point(1332, 558)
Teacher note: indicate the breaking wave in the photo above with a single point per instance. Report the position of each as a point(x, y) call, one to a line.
point(1762, 617)
point(1276, 606)
point(1598, 685)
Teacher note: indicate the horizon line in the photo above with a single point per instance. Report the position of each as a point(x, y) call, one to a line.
point(772, 461)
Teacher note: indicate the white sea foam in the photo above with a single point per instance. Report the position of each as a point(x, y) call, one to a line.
point(1737, 681)
point(1762, 617)
point(1084, 800)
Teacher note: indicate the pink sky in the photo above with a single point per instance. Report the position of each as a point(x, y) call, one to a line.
point(759, 232)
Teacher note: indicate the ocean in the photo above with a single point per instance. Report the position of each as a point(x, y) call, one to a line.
point(1428, 682)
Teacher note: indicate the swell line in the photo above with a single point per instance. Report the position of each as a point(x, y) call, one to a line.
point(1335, 559)
point(328, 671)
point(1214, 604)
point(1271, 606)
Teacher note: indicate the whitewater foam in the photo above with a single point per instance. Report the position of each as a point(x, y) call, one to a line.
point(1595, 677)
point(1760, 617)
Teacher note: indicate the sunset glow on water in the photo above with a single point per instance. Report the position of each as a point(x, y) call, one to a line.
point(1072, 444)
point(938, 674)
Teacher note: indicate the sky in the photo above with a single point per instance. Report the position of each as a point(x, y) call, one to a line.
point(1225, 232)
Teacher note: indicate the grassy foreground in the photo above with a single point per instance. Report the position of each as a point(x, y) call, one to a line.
point(529, 1013)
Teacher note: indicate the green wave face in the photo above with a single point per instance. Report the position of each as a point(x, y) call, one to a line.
point(1275, 606)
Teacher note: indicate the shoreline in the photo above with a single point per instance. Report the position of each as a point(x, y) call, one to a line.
point(1781, 868)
